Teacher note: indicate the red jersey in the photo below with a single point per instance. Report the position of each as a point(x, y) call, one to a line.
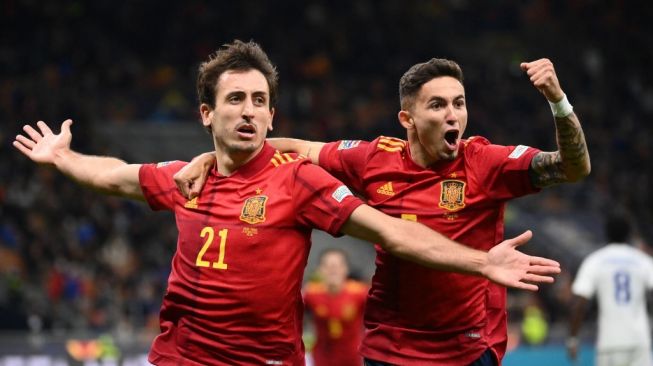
point(234, 291)
point(338, 322)
point(416, 315)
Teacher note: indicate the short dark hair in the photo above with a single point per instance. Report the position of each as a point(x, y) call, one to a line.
point(617, 229)
point(240, 56)
point(420, 74)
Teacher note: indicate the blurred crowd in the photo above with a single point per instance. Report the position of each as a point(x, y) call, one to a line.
point(71, 259)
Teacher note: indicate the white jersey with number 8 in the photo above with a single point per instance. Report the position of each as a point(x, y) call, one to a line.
point(620, 276)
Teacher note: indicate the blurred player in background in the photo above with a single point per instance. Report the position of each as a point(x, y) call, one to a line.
point(234, 291)
point(336, 305)
point(459, 187)
point(621, 277)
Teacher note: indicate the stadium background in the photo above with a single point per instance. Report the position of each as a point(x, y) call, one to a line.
point(75, 265)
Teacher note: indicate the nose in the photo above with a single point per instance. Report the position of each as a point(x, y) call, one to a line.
point(451, 117)
point(248, 110)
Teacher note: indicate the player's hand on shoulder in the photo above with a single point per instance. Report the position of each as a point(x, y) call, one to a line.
point(543, 76)
point(191, 178)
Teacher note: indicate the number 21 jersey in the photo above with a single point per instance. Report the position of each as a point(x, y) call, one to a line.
point(234, 292)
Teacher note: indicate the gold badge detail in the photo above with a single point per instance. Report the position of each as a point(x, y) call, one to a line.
point(254, 210)
point(452, 196)
point(250, 231)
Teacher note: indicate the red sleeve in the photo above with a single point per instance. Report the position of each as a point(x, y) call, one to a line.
point(157, 184)
point(502, 171)
point(346, 160)
point(321, 201)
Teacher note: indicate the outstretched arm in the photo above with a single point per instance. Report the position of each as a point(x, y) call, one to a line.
point(191, 178)
point(571, 162)
point(412, 241)
point(105, 174)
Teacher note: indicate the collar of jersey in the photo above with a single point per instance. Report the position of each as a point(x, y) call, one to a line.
point(252, 167)
point(441, 165)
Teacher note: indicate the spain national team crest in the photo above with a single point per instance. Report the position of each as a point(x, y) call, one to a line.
point(452, 196)
point(254, 210)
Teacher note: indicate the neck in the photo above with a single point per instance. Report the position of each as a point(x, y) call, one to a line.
point(418, 153)
point(229, 160)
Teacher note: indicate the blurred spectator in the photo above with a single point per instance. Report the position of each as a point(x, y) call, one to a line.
point(336, 306)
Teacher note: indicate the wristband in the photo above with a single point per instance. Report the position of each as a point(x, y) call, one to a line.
point(561, 108)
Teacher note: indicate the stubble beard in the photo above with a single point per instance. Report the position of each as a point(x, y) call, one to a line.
point(242, 148)
point(235, 149)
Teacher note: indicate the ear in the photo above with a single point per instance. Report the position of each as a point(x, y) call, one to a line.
point(406, 119)
point(206, 112)
point(270, 127)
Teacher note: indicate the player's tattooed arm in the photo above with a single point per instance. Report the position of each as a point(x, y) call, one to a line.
point(570, 163)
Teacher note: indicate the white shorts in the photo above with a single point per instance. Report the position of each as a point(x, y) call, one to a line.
point(636, 356)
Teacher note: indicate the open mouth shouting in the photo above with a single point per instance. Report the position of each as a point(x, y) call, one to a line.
point(451, 139)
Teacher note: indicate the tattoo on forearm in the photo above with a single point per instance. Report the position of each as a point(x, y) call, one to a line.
point(571, 142)
point(571, 159)
point(546, 169)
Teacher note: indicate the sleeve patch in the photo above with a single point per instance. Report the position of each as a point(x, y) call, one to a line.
point(340, 193)
point(348, 144)
point(519, 151)
point(164, 163)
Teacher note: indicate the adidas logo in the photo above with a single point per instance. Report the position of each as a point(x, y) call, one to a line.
point(386, 189)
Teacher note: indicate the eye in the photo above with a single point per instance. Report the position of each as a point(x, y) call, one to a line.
point(436, 105)
point(234, 98)
point(259, 101)
point(460, 103)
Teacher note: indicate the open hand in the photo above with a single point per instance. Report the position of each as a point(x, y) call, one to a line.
point(43, 146)
point(509, 267)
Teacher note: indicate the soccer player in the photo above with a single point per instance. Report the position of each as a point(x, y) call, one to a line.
point(234, 291)
point(620, 276)
point(459, 187)
point(336, 304)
